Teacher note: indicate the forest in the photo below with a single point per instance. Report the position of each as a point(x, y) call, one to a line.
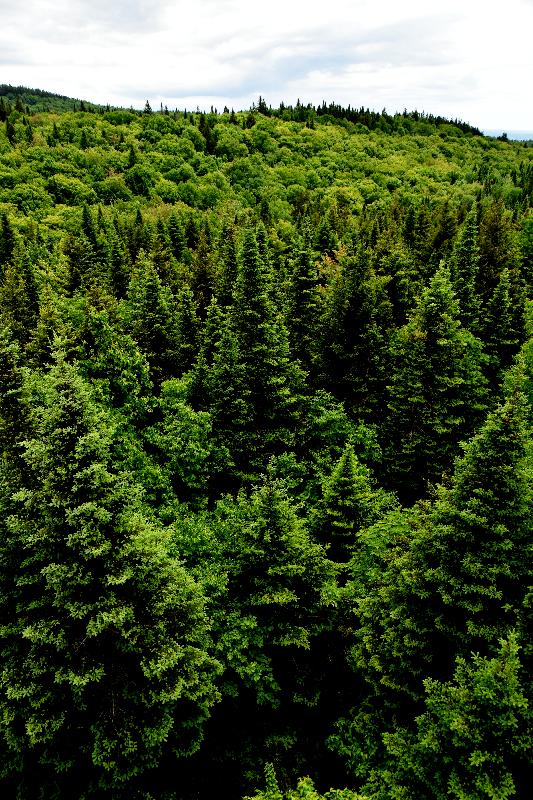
point(266, 394)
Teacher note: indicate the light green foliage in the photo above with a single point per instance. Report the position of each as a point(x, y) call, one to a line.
point(182, 440)
point(305, 790)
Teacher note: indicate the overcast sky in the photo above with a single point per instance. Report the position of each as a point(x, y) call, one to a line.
point(461, 58)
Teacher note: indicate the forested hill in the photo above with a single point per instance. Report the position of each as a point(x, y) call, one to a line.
point(265, 477)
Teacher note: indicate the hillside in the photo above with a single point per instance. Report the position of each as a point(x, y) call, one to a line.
point(265, 476)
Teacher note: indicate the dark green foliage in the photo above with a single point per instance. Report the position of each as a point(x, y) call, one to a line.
point(348, 504)
point(353, 348)
point(436, 393)
point(451, 577)
point(503, 327)
point(152, 319)
point(473, 739)
point(7, 242)
point(303, 307)
point(464, 270)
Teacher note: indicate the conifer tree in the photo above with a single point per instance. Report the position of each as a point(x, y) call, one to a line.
point(228, 266)
point(226, 394)
point(50, 323)
point(353, 345)
point(7, 242)
point(272, 381)
point(187, 330)
point(349, 502)
point(486, 516)
point(500, 334)
point(436, 394)
point(176, 236)
point(464, 270)
point(11, 414)
point(473, 739)
point(151, 317)
point(451, 578)
point(277, 580)
point(17, 307)
point(303, 307)
point(104, 663)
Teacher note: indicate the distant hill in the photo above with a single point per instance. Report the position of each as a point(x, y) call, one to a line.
point(36, 100)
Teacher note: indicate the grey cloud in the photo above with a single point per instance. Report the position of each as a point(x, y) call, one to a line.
point(269, 64)
point(141, 16)
point(13, 55)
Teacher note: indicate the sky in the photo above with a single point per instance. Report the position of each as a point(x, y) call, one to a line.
point(470, 59)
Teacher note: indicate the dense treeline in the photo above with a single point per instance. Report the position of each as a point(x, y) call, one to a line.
point(265, 476)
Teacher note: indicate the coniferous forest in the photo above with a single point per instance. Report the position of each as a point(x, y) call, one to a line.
point(265, 434)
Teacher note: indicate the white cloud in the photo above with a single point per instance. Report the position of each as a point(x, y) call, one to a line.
point(468, 59)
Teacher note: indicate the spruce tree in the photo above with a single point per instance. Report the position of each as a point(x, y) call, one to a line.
point(477, 559)
point(501, 334)
point(436, 393)
point(473, 739)
point(464, 270)
point(303, 306)
point(353, 345)
point(272, 380)
point(349, 502)
point(7, 242)
point(104, 663)
point(187, 330)
point(451, 577)
point(150, 315)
